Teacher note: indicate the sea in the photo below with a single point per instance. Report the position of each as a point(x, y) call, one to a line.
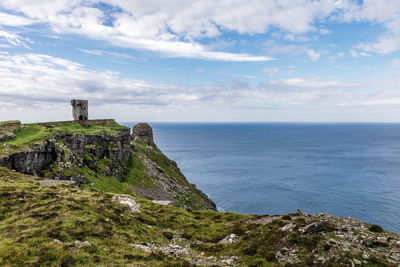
point(346, 169)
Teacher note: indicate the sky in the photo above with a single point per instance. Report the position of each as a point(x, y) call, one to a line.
point(202, 60)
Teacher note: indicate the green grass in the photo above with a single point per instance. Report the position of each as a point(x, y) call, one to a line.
point(29, 134)
point(9, 122)
point(33, 216)
point(24, 138)
point(74, 127)
point(136, 174)
point(376, 228)
point(193, 198)
point(104, 183)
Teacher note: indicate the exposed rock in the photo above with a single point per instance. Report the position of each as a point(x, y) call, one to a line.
point(68, 151)
point(125, 200)
point(381, 241)
point(301, 213)
point(31, 161)
point(314, 228)
point(5, 135)
point(230, 239)
point(142, 247)
point(162, 202)
point(369, 242)
point(143, 132)
point(115, 148)
point(288, 227)
point(78, 244)
point(50, 182)
point(168, 182)
point(266, 220)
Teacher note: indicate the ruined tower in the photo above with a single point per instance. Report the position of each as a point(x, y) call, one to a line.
point(80, 109)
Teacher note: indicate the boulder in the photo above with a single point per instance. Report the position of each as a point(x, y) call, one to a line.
point(288, 227)
point(314, 228)
point(230, 239)
point(125, 200)
point(5, 135)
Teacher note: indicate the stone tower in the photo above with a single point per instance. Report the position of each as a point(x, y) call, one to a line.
point(80, 110)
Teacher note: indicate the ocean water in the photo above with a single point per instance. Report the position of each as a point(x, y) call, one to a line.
point(274, 168)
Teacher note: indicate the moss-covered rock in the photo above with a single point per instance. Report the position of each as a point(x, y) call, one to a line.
point(144, 133)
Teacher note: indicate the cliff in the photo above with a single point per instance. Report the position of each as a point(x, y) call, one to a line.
point(116, 214)
point(159, 178)
point(103, 155)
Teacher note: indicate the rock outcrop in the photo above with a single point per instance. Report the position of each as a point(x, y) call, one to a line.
point(31, 161)
point(62, 155)
point(165, 181)
point(99, 153)
point(74, 151)
point(143, 132)
point(6, 135)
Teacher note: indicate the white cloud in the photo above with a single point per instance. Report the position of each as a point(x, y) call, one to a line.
point(150, 25)
point(13, 39)
point(324, 31)
point(382, 12)
point(162, 27)
point(13, 20)
point(314, 56)
point(271, 71)
point(110, 53)
point(355, 53)
point(274, 48)
point(34, 80)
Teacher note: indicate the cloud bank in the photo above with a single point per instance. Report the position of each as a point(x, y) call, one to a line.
point(178, 28)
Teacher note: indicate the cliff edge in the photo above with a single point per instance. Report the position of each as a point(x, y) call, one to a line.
point(99, 154)
point(109, 204)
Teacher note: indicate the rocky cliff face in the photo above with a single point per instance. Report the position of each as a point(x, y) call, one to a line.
point(117, 162)
point(62, 156)
point(31, 161)
point(162, 180)
point(74, 151)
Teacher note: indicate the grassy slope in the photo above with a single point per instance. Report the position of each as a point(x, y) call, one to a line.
point(32, 216)
point(195, 199)
point(32, 133)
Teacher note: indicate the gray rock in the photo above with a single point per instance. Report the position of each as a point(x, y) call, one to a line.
point(143, 132)
point(314, 228)
point(115, 147)
point(78, 244)
point(230, 239)
point(381, 241)
point(5, 135)
point(162, 202)
point(141, 247)
point(288, 227)
point(126, 200)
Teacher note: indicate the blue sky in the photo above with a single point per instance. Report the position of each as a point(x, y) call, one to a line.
point(190, 61)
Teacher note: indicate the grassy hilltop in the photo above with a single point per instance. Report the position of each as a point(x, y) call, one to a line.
point(104, 221)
